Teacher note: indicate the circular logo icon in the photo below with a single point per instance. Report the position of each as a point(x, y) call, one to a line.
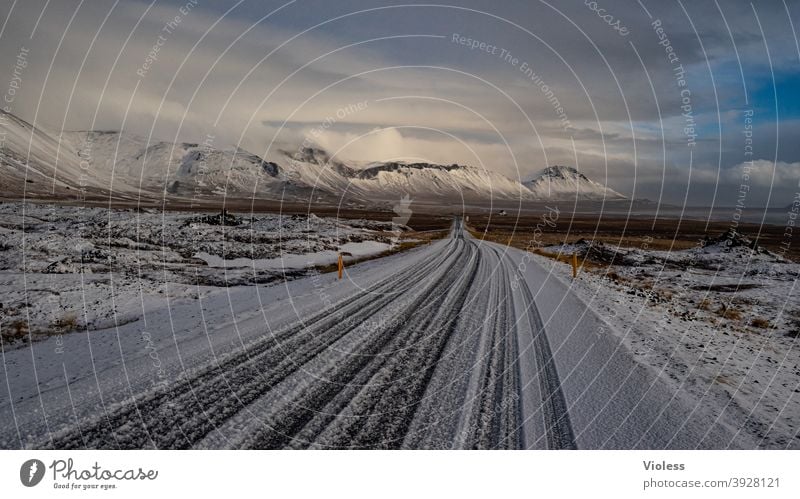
point(31, 472)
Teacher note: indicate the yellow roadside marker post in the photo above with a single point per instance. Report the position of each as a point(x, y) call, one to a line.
point(574, 265)
point(341, 265)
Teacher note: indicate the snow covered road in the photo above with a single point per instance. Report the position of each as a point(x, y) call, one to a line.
point(458, 344)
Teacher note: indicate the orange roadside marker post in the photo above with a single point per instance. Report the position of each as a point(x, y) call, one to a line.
point(574, 265)
point(341, 265)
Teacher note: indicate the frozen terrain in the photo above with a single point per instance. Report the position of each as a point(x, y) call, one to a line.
point(719, 321)
point(65, 269)
point(456, 344)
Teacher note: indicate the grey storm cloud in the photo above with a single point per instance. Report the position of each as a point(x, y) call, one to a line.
point(552, 82)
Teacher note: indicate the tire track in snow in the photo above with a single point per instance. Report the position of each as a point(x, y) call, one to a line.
point(192, 407)
point(557, 424)
point(492, 407)
point(305, 414)
point(383, 391)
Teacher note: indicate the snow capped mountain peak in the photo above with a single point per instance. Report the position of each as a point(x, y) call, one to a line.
point(434, 181)
point(566, 182)
point(562, 172)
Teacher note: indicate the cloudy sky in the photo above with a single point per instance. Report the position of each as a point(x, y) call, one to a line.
point(673, 100)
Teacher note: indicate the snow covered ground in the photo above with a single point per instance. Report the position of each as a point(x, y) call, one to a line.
point(719, 321)
point(64, 269)
point(456, 344)
point(459, 343)
point(299, 261)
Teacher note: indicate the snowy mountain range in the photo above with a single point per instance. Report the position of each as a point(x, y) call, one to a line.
point(35, 162)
